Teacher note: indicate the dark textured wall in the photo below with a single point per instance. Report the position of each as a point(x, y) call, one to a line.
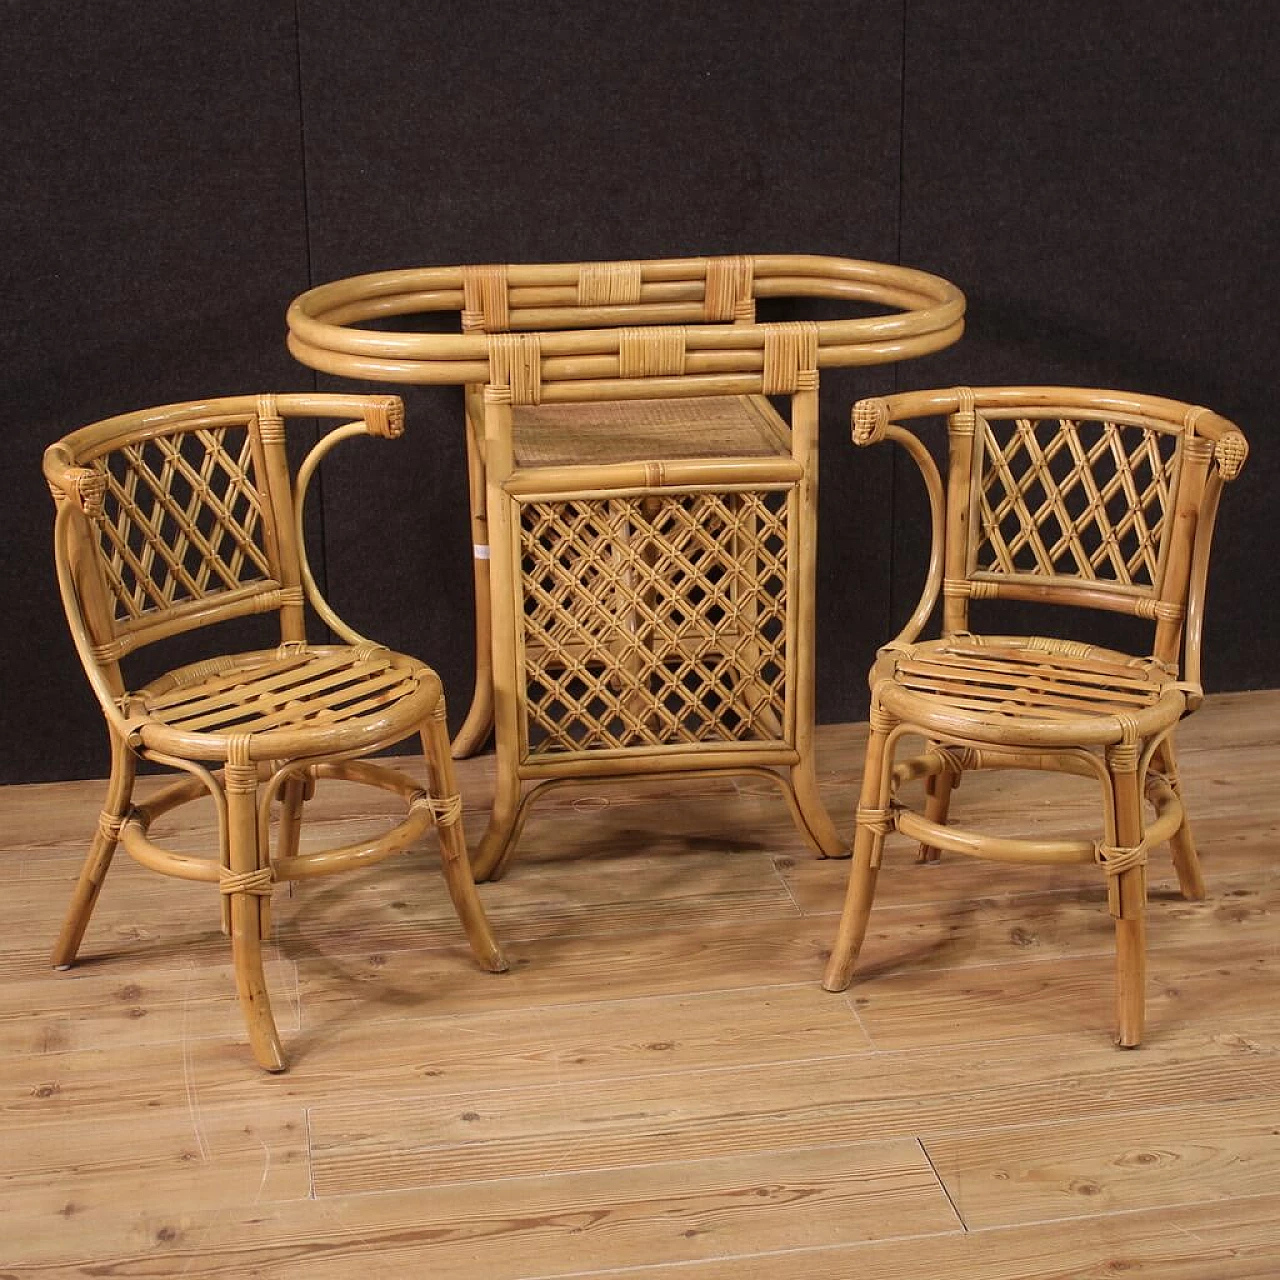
point(1100, 180)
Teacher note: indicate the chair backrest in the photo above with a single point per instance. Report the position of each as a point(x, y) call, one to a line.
point(1072, 496)
point(185, 515)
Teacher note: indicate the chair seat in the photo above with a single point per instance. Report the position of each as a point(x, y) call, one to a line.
point(1024, 689)
point(295, 701)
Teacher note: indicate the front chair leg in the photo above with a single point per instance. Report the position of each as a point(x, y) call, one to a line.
point(1127, 894)
point(868, 842)
point(247, 883)
point(453, 847)
point(98, 860)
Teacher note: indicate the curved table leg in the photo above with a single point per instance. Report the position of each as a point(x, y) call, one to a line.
point(478, 724)
point(810, 814)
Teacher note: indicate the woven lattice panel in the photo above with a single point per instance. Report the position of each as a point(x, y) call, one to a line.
point(1059, 497)
point(654, 621)
point(181, 520)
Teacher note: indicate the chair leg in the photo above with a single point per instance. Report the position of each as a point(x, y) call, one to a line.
point(1186, 862)
point(248, 888)
point(1128, 897)
point(453, 849)
point(98, 860)
point(868, 842)
point(937, 804)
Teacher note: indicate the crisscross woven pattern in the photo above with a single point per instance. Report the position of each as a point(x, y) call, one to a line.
point(655, 620)
point(1028, 680)
point(1084, 499)
point(290, 688)
point(182, 520)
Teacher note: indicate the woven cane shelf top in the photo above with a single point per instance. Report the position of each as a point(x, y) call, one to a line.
point(636, 430)
point(581, 310)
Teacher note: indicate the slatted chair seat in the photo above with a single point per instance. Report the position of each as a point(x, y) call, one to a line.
point(354, 694)
point(983, 686)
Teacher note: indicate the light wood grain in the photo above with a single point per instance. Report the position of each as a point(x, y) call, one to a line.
point(660, 1085)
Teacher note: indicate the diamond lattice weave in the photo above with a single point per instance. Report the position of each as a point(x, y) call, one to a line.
point(654, 620)
point(181, 520)
point(1062, 497)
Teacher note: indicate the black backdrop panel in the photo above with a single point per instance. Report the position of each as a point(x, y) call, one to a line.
point(1102, 181)
point(153, 231)
point(566, 132)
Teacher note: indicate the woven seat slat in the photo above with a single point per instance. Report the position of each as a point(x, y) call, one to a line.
point(1120, 672)
point(300, 678)
point(226, 685)
point(339, 698)
point(1032, 680)
point(1012, 694)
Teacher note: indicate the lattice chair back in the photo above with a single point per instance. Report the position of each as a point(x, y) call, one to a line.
point(1065, 496)
point(185, 516)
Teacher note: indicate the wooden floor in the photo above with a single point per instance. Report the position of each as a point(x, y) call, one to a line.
point(660, 1084)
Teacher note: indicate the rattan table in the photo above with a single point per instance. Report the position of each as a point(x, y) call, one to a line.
point(643, 515)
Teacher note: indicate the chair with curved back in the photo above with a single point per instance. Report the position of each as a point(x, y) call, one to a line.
point(1066, 496)
point(170, 520)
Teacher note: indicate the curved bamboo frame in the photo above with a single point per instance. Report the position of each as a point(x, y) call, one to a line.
point(985, 702)
point(325, 333)
point(277, 760)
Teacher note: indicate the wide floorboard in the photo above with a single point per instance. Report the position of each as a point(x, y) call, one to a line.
point(660, 1085)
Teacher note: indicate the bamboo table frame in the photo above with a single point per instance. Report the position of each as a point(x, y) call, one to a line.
point(538, 336)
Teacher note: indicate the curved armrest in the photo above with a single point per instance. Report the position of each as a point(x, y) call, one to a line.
point(871, 425)
point(382, 416)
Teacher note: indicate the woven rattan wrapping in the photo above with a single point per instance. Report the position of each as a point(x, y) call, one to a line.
point(654, 621)
point(637, 430)
point(1082, 498)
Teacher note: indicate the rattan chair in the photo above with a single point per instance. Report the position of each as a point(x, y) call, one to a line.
point(176, 518)
point(1063, 496)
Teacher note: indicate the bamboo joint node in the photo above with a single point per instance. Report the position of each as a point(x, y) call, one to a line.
point(485, 305)
point(790, 353)
point(605, 284)
point(445, 811)
point(655, 352)
point(879, 821)
point(515, 364)
point(260, 882)
point(730, 290)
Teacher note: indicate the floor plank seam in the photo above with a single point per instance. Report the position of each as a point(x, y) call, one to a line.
point(942, 1186)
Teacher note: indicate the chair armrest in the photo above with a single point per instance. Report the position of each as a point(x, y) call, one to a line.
point(871, 425)
point(380, 416)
